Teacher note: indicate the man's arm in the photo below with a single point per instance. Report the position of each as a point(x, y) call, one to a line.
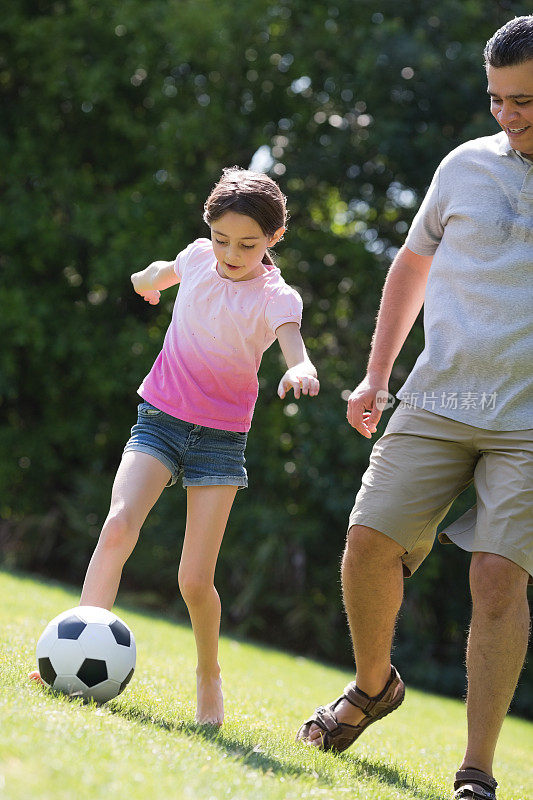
point(150, 282)
point(402, 299)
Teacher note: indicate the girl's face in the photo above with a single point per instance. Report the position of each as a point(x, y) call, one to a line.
point(239, 245)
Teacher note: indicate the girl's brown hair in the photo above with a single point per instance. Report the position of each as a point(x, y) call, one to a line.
point(250, 193)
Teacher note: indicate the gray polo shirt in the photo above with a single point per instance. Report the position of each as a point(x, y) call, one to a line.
point(477, 222)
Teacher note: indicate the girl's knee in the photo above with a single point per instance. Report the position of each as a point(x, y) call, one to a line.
point(118, 532)
point(194, 588)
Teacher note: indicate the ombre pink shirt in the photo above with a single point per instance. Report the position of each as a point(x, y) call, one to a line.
point(206, 372)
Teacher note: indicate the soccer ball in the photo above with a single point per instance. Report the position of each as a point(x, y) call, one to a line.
point(87, 652)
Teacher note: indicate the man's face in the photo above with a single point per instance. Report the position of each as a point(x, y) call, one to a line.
point(511, 103)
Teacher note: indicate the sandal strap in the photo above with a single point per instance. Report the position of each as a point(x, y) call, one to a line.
point(478, 783)
point(473, 791)
point(326, 719)
point(373, 706)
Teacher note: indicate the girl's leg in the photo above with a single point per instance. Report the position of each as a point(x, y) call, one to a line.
point(139, 481)
point(208, 510)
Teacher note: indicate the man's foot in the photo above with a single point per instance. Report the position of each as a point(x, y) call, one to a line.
point(209, 700)
point(36, 676)
point(345, 713)
point(337, 725)
point(474, 784)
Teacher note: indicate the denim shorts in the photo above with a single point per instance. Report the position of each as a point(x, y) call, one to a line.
point(205, 456)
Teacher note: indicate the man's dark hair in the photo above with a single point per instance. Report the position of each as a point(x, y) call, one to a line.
point(512, 44)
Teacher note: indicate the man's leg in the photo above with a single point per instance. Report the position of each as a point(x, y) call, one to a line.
point(417, 468)
point(496, 650)
point(372, 581)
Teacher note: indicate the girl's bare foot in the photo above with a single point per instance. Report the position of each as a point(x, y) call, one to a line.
point(36, 676)
point(209, 700)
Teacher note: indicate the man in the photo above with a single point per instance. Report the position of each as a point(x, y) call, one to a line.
point(466, 415)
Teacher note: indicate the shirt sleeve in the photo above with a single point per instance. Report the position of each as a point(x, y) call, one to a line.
point(197, 247)
point(285, 305)
point(427, 228)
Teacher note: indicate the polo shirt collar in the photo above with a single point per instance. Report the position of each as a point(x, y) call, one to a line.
point(503, 146)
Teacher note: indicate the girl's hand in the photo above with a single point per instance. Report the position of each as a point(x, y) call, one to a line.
point(150, 282)
point(151, 296)
point(142, 284)
point(301, 380)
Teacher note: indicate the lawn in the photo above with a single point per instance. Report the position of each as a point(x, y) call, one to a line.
point(145, 744)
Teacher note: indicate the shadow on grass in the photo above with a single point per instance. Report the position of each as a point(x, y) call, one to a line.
point(394, 777)
point(260, 760)
point(232, 746)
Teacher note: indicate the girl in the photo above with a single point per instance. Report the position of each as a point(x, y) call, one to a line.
point(199, 397)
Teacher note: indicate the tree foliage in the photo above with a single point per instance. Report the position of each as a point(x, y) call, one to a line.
point(118, 120)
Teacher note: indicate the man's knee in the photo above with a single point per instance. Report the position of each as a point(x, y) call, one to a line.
point(497, 584)
point(366, 546)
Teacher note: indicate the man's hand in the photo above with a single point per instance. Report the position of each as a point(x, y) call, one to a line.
point(366, 404)
point(403, 297)
point(301, 380)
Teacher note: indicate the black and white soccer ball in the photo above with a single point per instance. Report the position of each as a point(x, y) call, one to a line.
point(87, 652)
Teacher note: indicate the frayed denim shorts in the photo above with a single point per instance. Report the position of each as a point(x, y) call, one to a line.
point(205, 456)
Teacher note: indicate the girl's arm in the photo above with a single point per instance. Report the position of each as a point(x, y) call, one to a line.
point(150, 282)
point(301, 374)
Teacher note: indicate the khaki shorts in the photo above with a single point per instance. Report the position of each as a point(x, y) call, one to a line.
point(423, 462)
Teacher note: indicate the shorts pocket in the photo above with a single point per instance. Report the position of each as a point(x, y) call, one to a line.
point(148, 410)
point(235, 437)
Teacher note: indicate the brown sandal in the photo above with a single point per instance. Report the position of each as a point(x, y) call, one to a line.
point(340, 735)
point(473, 784)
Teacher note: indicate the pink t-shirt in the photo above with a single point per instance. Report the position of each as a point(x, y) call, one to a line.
point(206, 372)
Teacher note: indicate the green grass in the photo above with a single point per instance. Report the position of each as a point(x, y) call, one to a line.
point(145, 744)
